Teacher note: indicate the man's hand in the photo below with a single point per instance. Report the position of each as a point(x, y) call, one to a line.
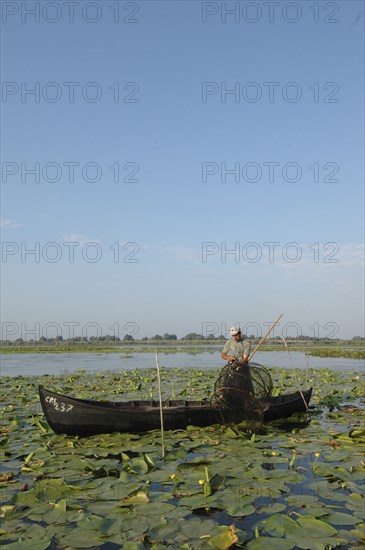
point(227, 357)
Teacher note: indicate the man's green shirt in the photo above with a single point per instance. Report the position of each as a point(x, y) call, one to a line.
point(237, 349)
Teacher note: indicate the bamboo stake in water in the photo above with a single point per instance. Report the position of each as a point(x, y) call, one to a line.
point(160, 399)
point(295, 375)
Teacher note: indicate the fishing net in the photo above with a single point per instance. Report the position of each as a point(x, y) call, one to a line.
point(242, 394)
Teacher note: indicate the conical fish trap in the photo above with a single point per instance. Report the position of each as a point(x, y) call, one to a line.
point(242, 393)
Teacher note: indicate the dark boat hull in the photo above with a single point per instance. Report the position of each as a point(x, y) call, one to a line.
point(71, 416)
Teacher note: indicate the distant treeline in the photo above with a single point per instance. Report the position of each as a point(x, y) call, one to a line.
point(166, 338)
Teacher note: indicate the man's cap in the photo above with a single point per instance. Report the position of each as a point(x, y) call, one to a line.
point(234, 330)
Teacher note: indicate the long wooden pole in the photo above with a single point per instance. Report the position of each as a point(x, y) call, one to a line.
point(160, 399)
point(264, 337)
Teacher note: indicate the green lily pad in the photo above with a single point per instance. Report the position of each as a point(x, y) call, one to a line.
point(357, 433)
point(281, 525)
point(7, 511)
point(81, 539)
point(139, 465)
point(301, 500)
point(199, 501)
point(167, 532)
point(140, 497)
point(268, 543)
point(57, 514)
point(225, 539)
point(29, 544)
point(240, 509)
point(356, 503)
point(315, 527)
point(274, 508)
point(341, 518)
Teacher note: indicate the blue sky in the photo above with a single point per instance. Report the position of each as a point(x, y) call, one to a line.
point(145, 94)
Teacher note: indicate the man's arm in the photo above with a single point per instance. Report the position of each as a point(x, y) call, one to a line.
point(227, 357)
point(246, 352)
point(225, 352)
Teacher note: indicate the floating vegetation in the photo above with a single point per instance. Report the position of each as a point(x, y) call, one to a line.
point(345, 353)
point(291, 486)
point(337, 349)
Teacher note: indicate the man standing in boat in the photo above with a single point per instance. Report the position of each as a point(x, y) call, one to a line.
point(235, 378)
point(236, 349)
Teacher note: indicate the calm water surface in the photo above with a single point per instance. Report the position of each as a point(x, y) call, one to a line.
point(36, 364)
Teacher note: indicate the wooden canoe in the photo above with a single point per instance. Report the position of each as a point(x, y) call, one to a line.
point(84, 417)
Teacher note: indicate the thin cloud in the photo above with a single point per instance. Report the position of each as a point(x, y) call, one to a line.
point(336, 266)
point(79, 238)
point(9, 224)
point(183, 254)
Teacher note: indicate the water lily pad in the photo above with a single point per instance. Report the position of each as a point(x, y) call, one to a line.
point(225, 539)
point(166, 532)
point(356, 503)
point(199, 501)
point(138, 465)
point(274, 508)
point(78, 538)
point(200, 528)
point(140, 497)
point(337, 472)
point(27, 544)
point(7, 511)
point(56, 513)
point(341, 518)
point(328, 490)
point(301, 500)
point(281, 525)
point(240, 509)
point(315, 527)
point(268, 543)
point(357, 433)
point(355, 536)
point(97, 452)
point(155, 509)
